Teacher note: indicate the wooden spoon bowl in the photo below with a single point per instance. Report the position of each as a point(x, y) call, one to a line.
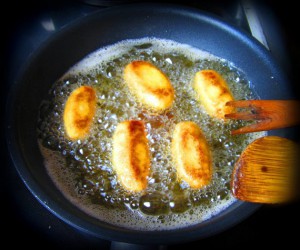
point(266, 171)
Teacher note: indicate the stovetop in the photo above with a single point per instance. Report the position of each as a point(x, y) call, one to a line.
point(26, 223)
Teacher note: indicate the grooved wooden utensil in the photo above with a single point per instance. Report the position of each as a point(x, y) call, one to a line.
point(270, 114)
point(266, 171)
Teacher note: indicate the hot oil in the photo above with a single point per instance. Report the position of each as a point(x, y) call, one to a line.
point(85, 174)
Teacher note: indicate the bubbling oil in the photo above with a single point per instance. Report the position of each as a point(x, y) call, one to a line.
point(82, 169)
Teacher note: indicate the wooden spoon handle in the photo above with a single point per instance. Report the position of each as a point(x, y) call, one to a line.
point(269, 114)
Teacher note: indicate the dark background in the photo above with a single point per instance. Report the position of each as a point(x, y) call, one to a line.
point(25, 223)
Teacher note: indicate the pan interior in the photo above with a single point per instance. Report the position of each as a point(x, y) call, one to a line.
point(82, 169)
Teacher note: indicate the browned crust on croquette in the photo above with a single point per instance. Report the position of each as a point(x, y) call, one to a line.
point(188, 135)
point(195, 173)
point(136, 73)
point(131, 155)
point(77, 121)
point(137, 130)
point(81, 121)
point(213, 78)
point(214, 103)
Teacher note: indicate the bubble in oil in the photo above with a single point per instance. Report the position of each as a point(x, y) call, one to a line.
point(154, 203)
point(180, 203)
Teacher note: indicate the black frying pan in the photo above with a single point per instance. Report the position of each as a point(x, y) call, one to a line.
point(53, 58)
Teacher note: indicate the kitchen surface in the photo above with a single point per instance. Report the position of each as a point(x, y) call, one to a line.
point(27, 24)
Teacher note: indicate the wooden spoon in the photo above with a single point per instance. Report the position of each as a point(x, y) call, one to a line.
point(268, 114)
point(265, 171)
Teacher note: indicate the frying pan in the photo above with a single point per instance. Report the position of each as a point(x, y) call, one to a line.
point(69, 45)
